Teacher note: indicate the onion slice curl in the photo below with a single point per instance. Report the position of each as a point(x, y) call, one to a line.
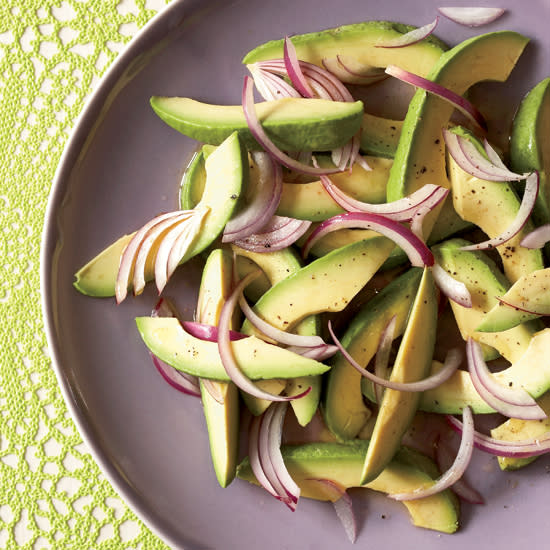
point(411, 37)
point(471, 16)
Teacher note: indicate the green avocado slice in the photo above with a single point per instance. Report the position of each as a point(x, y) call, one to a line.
point(294, 124)
point(222, 418)
point(529, 293)
point(167, 339)
point(226, 175)
point(413, 363)
point(341, 463)
point(420, 155)
point(529, 146)
point(492, 206)
point(359, 42)
point(344, 411)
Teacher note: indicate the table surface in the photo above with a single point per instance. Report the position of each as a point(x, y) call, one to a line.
point(52, 54)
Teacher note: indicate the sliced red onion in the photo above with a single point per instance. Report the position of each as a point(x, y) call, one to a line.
point(254, 455)
point(417, 251)
point(493, 156)
point(382, 357)
point(164, 308)
point(510, 401)
point(451, 364)
point(348, 71)
point(471, 16)
point(319, 353)
point(278, 234)
point(128, 258)
point(226, 352)
point(417, 222)
point(265, 141)
point(294, 70)
point(456, 100)
point(455, 290)
point(525, 448)
point(400, 210)
point(263, 204)
point(411, 37)
point(472, 161)
point(276, 334)
point(444, 459)
point(209, 333)
point(324, 83)
point(175, 244)
point(181, 381)
point(457, 469)
point(537, 238)
point(270, 86)
point(524, 211)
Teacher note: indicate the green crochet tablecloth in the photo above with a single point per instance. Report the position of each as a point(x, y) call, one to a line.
point(52, 54)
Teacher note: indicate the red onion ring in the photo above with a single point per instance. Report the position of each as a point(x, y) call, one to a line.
point(411, 37)
point(294, 70)
point(525, 448)
point(209, 333)
point(265, 200)
point(524, 211)
point(456, 100)
point(537, 238)
point(457, 469)
point(461, 487)
point(451, 364)
point(512, 402)
point(472, 161)
point(265, 141)
point(471, 17)
point(319, 353)
point(226, 352)
point(455, 290)
point(343, 70)
point(278, 234)
point(400, 210)
point(417, 251)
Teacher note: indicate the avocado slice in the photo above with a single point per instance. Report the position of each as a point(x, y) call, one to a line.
point(277, 266)
point(515, 429)
point(420, 155)
point(485, 282)
point(226, 175)
point(529, 147)
point(294, 124)
point(413, 363)
point(492, 206)
point(530, 292)
point(359, 42)
point(194, 178)
point(344, 411)
point(380, 136)
point(310, 201)
point(222, 419)
point(325, 285)
point(342, 463)
point(167, 339)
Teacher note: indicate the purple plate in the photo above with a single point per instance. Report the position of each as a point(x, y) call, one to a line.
point(122, 166)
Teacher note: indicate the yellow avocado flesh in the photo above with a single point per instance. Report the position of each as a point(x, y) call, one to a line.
point(342, 463)
point(226, 174)
point(222, 419)
point(420, 155)
point(277, 266)
point(530, 292)
point(344, 411)
point(493, 206)
point(293, 124)
point(484, 282)
point(166, 338)
point(413, 363)
point(359, 42)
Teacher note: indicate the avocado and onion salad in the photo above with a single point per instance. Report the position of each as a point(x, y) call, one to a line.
point(382, 206)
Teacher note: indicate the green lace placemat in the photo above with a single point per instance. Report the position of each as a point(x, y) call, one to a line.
point(52, 54)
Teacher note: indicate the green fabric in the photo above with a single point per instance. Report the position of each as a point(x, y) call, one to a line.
point(52, 494)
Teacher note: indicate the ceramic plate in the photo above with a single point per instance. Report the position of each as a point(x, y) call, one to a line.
point(122, 166)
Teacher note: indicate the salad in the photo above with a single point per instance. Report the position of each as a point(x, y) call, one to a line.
point(337, 244)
